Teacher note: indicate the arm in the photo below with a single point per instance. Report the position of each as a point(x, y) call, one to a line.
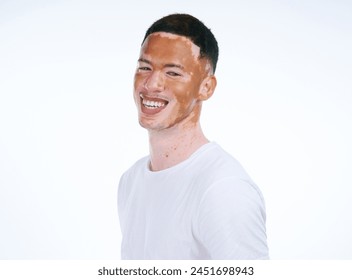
point(231, 221)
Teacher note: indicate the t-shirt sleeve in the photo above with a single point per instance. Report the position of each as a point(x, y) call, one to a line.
point(121, 198)
point(231, 221)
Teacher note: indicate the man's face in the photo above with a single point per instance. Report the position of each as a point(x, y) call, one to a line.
point(167, 81)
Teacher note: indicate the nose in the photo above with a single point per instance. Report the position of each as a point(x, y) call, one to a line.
point(154, 82)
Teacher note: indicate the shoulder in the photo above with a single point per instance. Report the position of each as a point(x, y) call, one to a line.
point(224, 183)
point(135, 171)
point(228, 181)
point(215, 165)
point(234, 192)
point(138, 167)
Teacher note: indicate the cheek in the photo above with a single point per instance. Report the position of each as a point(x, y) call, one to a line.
point(136, 88)
point(188, 90)
point(187, 95)
point(138, 81)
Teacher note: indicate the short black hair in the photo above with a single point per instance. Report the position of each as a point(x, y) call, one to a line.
point(192, 28)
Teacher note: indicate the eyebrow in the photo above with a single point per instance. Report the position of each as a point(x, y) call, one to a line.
point(174, 65)
point(165, 65)
point(144, 60)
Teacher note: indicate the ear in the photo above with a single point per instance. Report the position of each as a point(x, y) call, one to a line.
point(207, 87)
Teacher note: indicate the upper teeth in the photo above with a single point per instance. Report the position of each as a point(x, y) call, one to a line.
point(150, 103)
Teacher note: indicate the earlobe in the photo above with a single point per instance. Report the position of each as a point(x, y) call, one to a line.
point(207, 87)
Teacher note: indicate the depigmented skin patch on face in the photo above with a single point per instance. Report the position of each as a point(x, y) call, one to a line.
point(194, 48)
point(171, 71)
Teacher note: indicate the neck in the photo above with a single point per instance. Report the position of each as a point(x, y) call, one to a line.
point(174, 145)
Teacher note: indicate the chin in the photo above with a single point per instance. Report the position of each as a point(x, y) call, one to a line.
point(147, 124)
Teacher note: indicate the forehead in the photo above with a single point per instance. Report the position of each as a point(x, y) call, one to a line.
point(168, 45)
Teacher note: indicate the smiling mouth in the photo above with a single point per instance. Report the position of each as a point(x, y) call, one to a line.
point(153, 103)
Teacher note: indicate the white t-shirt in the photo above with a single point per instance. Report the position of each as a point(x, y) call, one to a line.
point(205, 207)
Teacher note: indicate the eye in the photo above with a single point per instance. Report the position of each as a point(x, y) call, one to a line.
point(144, 68)
point(173, 74)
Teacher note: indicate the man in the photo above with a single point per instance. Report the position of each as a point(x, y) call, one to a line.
point(188, 199)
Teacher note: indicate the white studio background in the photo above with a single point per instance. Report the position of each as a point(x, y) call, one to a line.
point(68, 126)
